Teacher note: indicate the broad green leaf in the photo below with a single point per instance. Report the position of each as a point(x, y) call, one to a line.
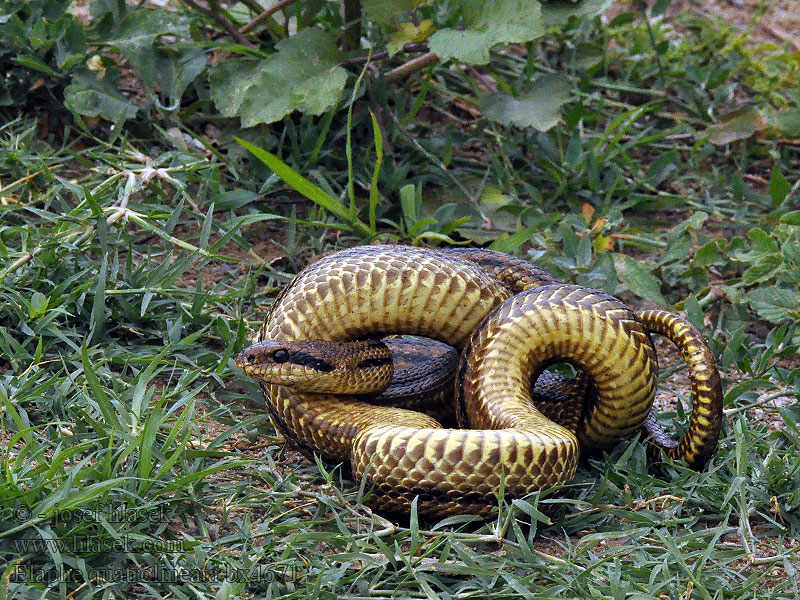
point(776, 304)
point(764, 248)
point(710, 254)
point(763, 270)
point(791, 218)
point(736, 125)
point(486, 24)
point(638, 279)
point(558, 12)
point(407, 33)
point(88, 96)
point(762, 241)
point(786, 121)
point(34, 62)
point(137, 37)
point(303, 75)
point(388, 11)
point(539, 107)
point(468, 46)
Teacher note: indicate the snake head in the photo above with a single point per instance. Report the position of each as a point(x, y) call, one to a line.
point(359, 367)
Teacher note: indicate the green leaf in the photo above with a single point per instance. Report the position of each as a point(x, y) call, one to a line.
point(98, 393)
point(775, 304)
point(408, 204)
point(374, 196)
point(82, 495)
point(407, 33)
point(559, 12)
point(710, 254)
point(791, 218)
point(659, 8)
point(468, 46)
point(192, 477)
point(694, 312)
point(662, 167)
point(638, 279)
point(763, 270)
point(89, 96)
point(539, 107)
point(35, 63)
point(787, 121)
point(306, 188)
point(169, 69)
point(778, 187)
point(303, 75)
point(762, 242)
point(487, 24)
point(764, 257)
point(38, 305)
point(147, 440)
point(97, 317)
point(388, 11)
point(736, 125)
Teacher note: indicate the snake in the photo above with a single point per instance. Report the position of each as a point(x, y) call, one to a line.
point(322, 358)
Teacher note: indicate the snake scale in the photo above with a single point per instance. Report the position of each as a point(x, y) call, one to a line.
point(510, 321)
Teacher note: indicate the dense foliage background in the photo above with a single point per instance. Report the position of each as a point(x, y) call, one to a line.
point(166, 167)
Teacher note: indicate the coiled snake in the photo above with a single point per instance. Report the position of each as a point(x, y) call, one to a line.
point(511, 320)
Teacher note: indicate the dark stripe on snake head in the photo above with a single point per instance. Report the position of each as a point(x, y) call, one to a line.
point(313, 362)
point(374, 361)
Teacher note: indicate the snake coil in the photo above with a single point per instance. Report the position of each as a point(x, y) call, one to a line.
point(511, 320)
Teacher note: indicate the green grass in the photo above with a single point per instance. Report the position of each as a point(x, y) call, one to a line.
point(131, 273)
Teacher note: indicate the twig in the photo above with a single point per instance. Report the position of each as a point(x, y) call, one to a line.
point(381, 54)
point(266, 15)
point(795, 187)
point(360, 59)
point(225, 23)
point(4, 189)
point(761, 403)
point(755, 179)
point(412, 66)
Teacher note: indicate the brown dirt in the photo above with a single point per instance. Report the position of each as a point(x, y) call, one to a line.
point(769, 21)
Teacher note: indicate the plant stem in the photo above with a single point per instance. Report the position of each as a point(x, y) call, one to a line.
point(266, 15)
point(412, 66)
point(215, 14)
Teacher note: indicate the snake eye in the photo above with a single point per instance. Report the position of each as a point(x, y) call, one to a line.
point(280, 356)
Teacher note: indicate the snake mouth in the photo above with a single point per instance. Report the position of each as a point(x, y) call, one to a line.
point(288, 364)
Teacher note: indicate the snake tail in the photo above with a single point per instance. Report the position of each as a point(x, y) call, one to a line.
point(698, 444)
